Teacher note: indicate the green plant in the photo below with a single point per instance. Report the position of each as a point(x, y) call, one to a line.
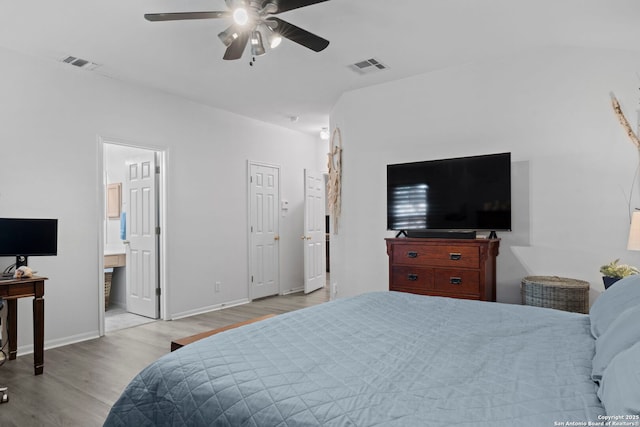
point(613, 269)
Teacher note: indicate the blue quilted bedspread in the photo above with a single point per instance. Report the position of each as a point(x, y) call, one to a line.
point(380, 359)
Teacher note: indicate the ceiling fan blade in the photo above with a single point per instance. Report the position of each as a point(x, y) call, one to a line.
point(179, 16)
point(298, 35)
point(236, 48)
point(285, 5)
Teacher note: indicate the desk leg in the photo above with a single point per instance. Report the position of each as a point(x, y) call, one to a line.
point(12, 327)
point(38, 334)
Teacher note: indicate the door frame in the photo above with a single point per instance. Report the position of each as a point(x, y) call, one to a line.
point(316, 175)
point(249, 241)
point(162, 161)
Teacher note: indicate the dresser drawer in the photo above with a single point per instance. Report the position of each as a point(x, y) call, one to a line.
point(437, 256)
point(444, 267)
point(457, 281)
point(411, 279)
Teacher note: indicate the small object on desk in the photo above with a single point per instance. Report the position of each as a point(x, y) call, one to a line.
point(4, 394)
point(23, 272)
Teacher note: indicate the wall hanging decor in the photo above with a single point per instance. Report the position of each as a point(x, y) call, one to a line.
point(633, 136)
point(623, 121)
point(335, 177)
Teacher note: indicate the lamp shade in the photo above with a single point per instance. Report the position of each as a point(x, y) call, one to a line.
point(228, 36)
point(257, 48)
point(634, 232)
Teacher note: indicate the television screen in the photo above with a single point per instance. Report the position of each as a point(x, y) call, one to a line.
point(26, 236)
point(466, 193)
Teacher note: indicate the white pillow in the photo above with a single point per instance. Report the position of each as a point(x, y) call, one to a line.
point(623, 294)
point(622, 334)
point(619, 389)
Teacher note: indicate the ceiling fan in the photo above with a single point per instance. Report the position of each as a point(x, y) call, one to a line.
point(253, 21)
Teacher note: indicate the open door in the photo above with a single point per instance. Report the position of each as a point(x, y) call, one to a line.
point(314, 232)
point(142, 236)
point(264, 226)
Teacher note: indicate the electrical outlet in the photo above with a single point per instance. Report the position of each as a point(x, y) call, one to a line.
point(334, 288)
point(217, 288)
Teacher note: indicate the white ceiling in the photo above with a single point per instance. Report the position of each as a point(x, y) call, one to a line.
point(409, 36)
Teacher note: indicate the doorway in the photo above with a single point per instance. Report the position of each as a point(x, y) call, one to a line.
point(264, 230)
point(314, 237)
point(131, 244)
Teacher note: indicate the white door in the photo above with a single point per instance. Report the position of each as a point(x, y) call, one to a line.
point(264, 223)
point(142, 264)
point(315, 257)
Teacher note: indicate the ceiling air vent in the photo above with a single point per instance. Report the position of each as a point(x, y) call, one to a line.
point(368, 66)
point(79, 62)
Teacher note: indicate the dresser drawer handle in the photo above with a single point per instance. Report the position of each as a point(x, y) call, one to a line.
point(412, 277)
point(412, 254)
point(455, 280)
point(455, 256)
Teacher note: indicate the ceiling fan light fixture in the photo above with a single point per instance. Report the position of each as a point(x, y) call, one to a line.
point(268, 8)
point(273, 37)
point(257, 47)
point(241, 16)
point(252, 21)
point(228, 36)
point(274, 40)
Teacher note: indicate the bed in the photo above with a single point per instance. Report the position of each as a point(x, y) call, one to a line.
point(397, 359)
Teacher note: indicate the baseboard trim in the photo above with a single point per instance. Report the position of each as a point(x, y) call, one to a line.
point(60, 342)
point(209, 309)
point(293, 291)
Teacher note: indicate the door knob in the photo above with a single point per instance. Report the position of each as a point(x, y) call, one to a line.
point(276, 237)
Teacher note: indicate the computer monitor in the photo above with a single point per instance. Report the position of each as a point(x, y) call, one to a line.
point(25, 237)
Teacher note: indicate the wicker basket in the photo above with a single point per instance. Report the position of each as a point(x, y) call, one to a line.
point(108, 277)
point(556, 292)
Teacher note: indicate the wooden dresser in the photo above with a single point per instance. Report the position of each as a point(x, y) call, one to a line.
point(458, 268)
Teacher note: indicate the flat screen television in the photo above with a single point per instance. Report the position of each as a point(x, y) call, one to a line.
point(24, 237)
point(457, 194)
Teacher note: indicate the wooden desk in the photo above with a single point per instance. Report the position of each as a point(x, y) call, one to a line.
point(13, 289)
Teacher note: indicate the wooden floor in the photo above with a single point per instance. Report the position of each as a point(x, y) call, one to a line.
point(82, 381)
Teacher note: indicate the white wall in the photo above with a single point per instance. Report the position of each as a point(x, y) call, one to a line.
point(322, 152)
point(52, 115)
point(573, 166)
